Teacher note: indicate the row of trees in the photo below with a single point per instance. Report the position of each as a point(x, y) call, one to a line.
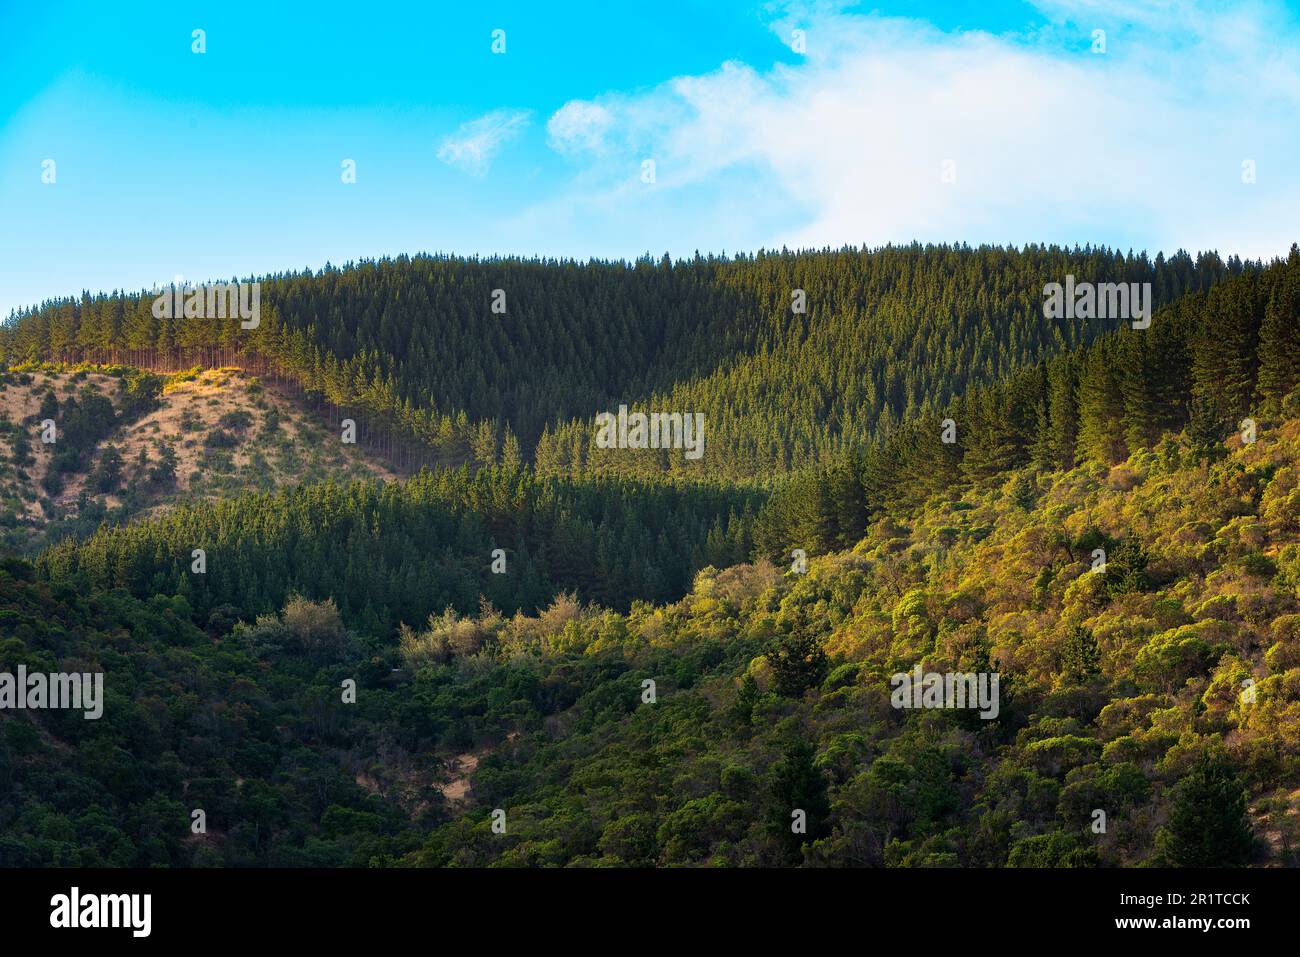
point(1209, 362)
point(388, 553)
point(791, 356)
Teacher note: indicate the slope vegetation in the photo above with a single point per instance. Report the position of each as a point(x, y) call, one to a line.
point(127, 443)
point(791, 356)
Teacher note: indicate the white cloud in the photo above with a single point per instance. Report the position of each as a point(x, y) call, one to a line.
point(474, 144)
point(1142, 145)
point(578, 126)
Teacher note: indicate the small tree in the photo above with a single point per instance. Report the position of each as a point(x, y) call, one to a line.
point(796, 784)
point(798, 662)
point(1206, 429)
point(746, 697)
point(1207, 826)
point(164, 473)
point(109, 473)
point(1080, 657)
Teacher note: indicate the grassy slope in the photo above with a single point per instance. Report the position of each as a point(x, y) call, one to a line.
point(276, 441)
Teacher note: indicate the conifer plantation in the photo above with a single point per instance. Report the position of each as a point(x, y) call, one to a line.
point(638, 658)
point(413, 347)
point(563, 471)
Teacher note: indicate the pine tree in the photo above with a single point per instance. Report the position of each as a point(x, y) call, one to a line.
point(798, 662)
point(1208, 826)
point(1101, 411)
point(1226, 356)
point(796, 793)
point(1079, 660)
point(109, 472)
point(1207, 428)
point(747, 696)
point(511, 457)
point(1063, 412)
point(1279, 335)
point(485, 444)
point(163, 474)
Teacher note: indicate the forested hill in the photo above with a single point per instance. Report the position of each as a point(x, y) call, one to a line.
point(1159, 689)
point(1214, 363)
point(388, 553)
point(452, 360)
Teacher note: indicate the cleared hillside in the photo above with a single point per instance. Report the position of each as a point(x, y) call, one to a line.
point(201, 434)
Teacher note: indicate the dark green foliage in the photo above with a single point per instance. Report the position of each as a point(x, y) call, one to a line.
point(1101, 409)
point(1099, 403)
point(1057, 849)
point(220, 439)
point(410, 348)
point(394, 553)
point(1226, 357)
point(1125, 567)
point(1080, 657)
point(109, 471)
point(163, 472)
point(1207, 427)
point(79, 423)
point(747, 695)
point(1207, 825)
point(236, 420)
point(796, 785)
point(184, 720)
point(798, 662)
point(1279, 335)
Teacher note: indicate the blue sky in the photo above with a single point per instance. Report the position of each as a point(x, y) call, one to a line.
point(977, 122)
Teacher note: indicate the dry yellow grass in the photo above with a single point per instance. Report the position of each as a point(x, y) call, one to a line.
point(299, 448)
point(18, 402)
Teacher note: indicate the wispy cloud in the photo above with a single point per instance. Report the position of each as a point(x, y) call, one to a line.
point(474, 144)
point(889, 129)
point(578, 126)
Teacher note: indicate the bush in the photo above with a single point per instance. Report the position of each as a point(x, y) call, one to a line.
point(220, 439)
point(315, 627)
point(236, 420)
point(1057, 849)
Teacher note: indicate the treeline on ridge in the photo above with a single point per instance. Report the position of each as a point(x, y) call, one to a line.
point(1208, 362)
point(411, 348)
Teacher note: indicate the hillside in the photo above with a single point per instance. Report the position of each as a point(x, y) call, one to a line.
point(1124, 691)
point(793, 357)
point(215, 433)
point(1215, 364)
point(1115, 684)
point(637, 668)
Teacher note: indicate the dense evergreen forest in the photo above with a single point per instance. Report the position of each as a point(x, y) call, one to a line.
point(1209, 362)
point(652, 679)
point(413, 348)
point(391, 553)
